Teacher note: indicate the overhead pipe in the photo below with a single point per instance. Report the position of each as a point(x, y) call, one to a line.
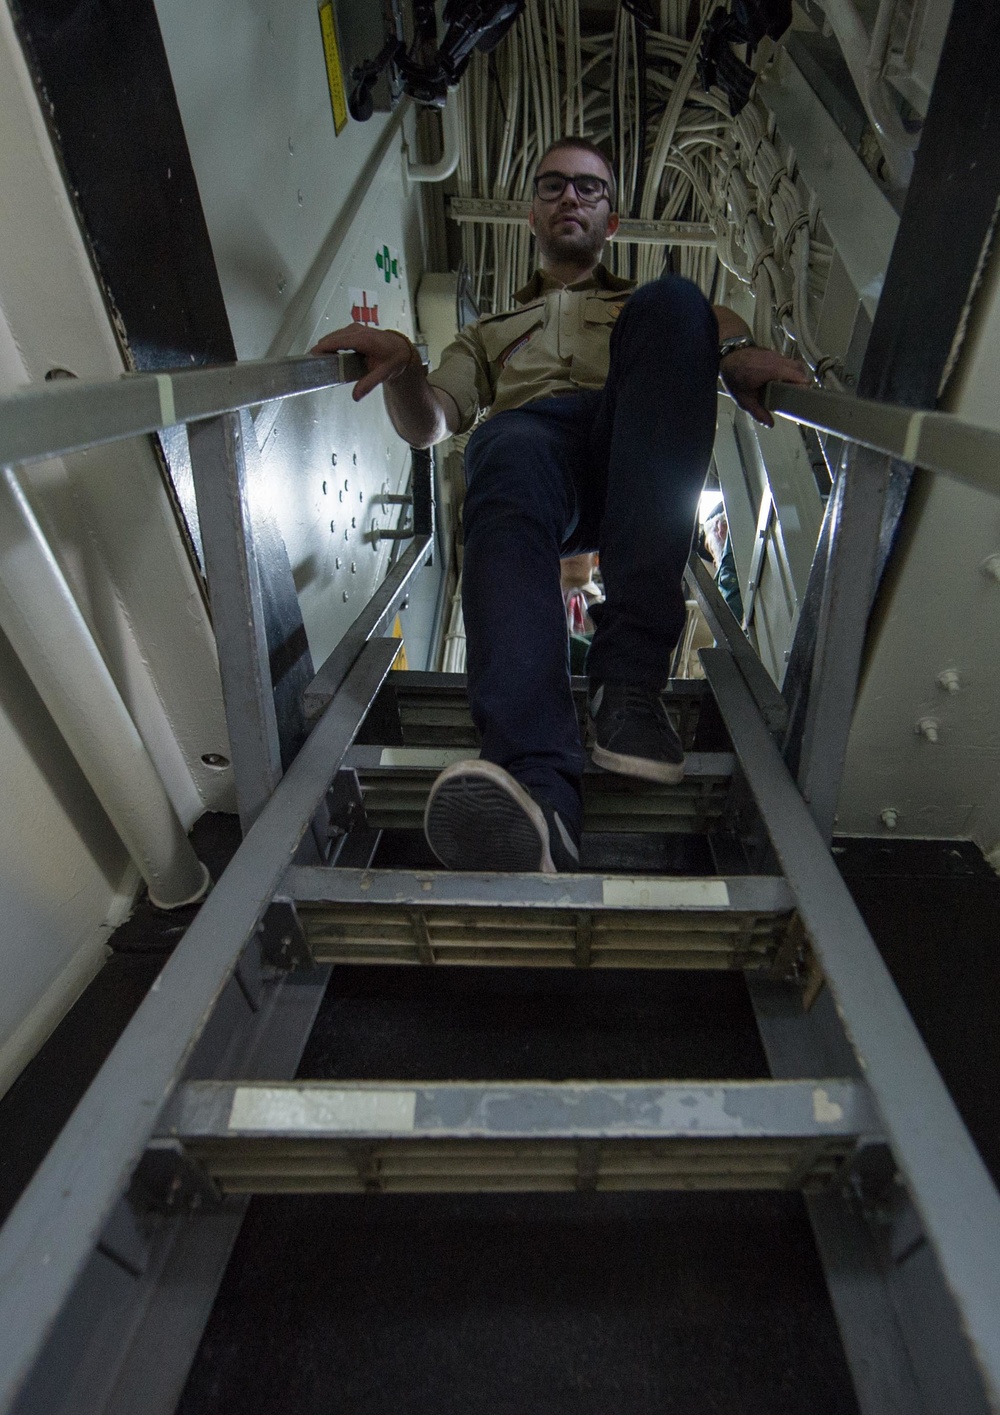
point(864, 62)
point(41, 618)
point(884, 118)
point(448, 161)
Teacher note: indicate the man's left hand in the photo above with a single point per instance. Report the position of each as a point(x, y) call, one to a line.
point(746, 371)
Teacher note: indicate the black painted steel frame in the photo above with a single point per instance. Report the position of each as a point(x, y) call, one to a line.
point(944, 234)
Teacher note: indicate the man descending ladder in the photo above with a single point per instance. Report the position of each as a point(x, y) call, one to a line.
point(199, 1102)
point(599, 419)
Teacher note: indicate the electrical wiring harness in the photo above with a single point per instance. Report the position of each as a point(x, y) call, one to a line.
point(678, 157)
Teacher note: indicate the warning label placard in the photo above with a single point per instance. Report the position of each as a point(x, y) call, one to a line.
point(334, 70)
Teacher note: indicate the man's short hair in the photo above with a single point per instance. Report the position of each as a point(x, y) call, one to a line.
point(570, 141)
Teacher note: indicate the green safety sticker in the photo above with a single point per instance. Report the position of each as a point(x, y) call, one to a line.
point(388, 262)
point(334, 71)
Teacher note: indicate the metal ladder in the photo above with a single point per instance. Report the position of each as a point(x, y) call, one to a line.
point(129, 1221)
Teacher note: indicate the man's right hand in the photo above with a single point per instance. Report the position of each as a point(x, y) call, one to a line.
point(386, 352)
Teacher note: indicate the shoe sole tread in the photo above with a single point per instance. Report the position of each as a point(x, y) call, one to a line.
point(482, 820)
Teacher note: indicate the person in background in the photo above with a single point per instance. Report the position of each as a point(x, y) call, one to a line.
point(719, 545)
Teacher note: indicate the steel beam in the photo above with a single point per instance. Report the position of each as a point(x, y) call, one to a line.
point(395, 791)
point(126, 1338)
point(308, 1137)
point(498, 212)
point(726, 630)
point(526, 1110)
point(957, 1202)
point(951, 205)
point(60, 1217)
point(371, 621)
point(423, 889)
point(899, 1325)
point(219, 466)
point(796, 1042)
point(698, 766)
point(534, 920)
point(848, 588)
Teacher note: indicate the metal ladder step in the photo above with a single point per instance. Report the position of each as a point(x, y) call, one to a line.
point(432, 709)
point(429, 917)
point(395, 782)
point(356, 1137)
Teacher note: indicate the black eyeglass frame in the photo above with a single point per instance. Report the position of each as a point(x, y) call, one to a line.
point(567, 180)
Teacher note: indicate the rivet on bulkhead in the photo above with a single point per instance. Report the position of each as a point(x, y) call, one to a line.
point(927, 728)
point(991, 568)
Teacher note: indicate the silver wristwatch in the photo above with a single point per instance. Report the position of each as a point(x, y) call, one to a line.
point(737, 341)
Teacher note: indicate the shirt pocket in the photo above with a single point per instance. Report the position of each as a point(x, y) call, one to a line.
point(599, 312)
point(502, 338)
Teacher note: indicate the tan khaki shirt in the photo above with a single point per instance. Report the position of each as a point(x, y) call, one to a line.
point(557, 341)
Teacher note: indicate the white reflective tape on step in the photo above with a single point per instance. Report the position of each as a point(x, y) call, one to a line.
point(826, 1111)
point(435, 758)
point(912, 443)
point(290, 1108)
point(621, 893)
point(165, 388)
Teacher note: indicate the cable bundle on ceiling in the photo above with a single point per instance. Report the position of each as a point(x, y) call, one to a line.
point(678, 156)
point(768, 239)
point(632, 90)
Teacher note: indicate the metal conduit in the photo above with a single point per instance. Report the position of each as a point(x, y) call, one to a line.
point(450, 151)
point(42, 620)
point(863, 61)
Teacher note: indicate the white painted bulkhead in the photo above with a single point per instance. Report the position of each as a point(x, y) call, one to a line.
point(291, 268)
point(933, 658)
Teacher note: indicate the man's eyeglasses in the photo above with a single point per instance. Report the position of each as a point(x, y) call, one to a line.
point(549, 186)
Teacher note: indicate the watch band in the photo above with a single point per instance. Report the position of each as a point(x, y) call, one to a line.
point(736, 341)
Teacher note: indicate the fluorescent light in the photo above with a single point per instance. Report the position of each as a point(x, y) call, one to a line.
point(707, 502)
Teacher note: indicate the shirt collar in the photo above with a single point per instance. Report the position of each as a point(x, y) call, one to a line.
point(600, 279)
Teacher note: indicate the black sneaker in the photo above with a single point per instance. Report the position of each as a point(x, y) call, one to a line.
point(479, 818)
point(633, 734)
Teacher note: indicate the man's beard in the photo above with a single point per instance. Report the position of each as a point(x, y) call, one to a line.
point(584, 244)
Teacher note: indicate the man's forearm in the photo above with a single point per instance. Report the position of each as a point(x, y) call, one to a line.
point(731, 326)
point(416, 410)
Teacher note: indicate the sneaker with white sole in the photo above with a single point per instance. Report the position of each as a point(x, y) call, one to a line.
point(633, 734)
point(479, 818)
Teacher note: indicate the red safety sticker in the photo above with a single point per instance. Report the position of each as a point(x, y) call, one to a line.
point(363, 311)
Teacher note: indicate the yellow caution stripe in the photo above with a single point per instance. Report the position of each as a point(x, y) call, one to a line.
point(334, 71)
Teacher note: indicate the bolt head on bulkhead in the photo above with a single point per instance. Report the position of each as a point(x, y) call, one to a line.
point(991, 568)
point(929, 729)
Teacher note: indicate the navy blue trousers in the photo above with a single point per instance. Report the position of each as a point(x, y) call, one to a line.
point(617, 470)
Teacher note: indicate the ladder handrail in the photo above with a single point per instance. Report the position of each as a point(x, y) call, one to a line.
point(51, 1231)
point(951, 1188)
point(71, 415)
point(938, 442)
